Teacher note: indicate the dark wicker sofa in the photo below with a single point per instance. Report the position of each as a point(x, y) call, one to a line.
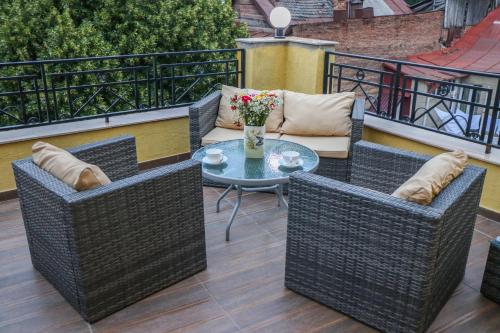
point(111, 246)
point(389, 263)
point(202, 116)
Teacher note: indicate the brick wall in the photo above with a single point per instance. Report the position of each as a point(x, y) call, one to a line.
point(386, 36)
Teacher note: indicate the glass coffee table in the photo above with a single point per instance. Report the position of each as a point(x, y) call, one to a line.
point(251, 174)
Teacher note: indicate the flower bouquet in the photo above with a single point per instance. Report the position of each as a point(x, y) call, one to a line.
point(253, 109)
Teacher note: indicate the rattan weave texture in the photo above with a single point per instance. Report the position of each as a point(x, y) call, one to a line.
point(111, 246)
point(389, 263)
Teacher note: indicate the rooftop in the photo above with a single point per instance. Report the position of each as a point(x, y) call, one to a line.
point(478, 49)
point(388, 7)
point(241, 290)
point(308, 9)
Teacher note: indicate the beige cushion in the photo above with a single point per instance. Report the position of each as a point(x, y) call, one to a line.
point(324, 146)
point(64, 166)
point(228, 118)
point(318, 115)
point(219, 134)
point(432, 178)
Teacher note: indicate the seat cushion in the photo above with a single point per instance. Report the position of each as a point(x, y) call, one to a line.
point(228, 118)
point(318, 115)
point(432, 178)
point(324, 146)
point(219, 134)
point(67, 168)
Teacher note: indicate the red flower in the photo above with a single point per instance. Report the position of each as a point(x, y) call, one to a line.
point(246, 99)
point(233, 107)
point(234, 98)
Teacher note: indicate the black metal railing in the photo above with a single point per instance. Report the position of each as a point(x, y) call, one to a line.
point(455, 102)
point(36, 93)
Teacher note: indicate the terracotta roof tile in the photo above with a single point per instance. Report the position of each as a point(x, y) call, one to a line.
point(477, 50)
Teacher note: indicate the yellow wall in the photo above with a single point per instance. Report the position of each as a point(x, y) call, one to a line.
point(266, 67)
point(305, 66)
point(154, 140)
point(293, 66)
point(491, 191)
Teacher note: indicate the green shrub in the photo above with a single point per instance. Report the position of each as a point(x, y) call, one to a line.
point(59, 29)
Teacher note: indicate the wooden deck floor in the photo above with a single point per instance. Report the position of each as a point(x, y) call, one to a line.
point(242, 289)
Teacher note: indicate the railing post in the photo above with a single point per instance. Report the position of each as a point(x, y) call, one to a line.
point(486, 116)
point(395, 96)
point(45, 90)
point(414, 101)
point(136, 90)
point(243, 68)
point(339, 79)
point(23, 104)
point(38, 101)
point(70, 100)
point(403, 92)
point(227, 72)
point(155, 79)
point(160, 84)
point(149, 88)
point(54, 96)
point(380, 92)
point(326, 72)
point(494, 115)
point(172, 87)
point(471, 112)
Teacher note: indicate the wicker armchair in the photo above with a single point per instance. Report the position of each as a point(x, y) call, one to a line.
point(389, 263)
point(111, 246)
point(202, 116)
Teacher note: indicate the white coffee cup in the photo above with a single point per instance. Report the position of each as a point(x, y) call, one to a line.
point(214, 155)
point(290, 157)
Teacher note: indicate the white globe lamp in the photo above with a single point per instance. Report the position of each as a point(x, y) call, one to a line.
point(280, 18)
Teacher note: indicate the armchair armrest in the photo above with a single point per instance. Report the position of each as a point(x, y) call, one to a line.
point(168, 175)
point(336, 194)
point(202, 116)
point(116, 157)
point(463, 193)
point(383, 168)
point(34, 180)
point(357, 116)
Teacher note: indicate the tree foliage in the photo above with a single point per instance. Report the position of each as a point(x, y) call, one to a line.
point(41, 29)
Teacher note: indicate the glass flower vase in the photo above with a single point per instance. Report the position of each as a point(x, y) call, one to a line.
point(254, 141)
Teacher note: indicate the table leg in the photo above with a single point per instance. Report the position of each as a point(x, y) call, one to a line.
point(222, 196)
point(235, 211)
point(281, 198)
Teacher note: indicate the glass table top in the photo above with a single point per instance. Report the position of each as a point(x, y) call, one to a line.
point(240, 170)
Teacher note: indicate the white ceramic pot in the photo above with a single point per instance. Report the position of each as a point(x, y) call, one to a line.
point(254, 141)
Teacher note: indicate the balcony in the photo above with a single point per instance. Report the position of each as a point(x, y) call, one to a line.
point(242, 288)
point(67, 103)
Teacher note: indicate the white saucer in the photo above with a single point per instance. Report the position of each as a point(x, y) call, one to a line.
point(206, 161)
point(300, 162)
